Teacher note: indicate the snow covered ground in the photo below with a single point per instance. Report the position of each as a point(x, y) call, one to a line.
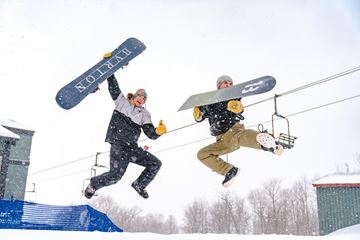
point(350, 233)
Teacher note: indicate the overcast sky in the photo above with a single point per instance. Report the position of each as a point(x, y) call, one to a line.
point(46, 44)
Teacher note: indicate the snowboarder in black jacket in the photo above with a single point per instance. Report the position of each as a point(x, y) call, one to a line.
point(224, 120)
point(127, 121)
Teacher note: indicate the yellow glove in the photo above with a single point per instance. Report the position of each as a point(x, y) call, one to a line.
point(107, 55)
point(235, 106)
point(161, 129)
point(197, 114)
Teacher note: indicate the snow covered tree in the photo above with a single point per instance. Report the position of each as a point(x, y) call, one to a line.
point(122, 217)
point(259, 204)
point(228, 215)
point(171, 225)
point(196, 218)
point(357, 162)
point(273, 217)
point(150, 223)
point(303, 209)
point(284, 211)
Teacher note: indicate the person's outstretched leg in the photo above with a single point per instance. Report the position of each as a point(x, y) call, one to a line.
point(210, 156)
point(152, 166)
point(119, 161)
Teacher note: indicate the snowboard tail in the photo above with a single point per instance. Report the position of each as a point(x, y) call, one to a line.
point(74, 92)
point(252, 87)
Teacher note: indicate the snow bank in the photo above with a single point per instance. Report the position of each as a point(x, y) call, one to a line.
point(350, 233)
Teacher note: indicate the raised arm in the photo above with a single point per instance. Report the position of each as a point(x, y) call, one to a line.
point(113, 87)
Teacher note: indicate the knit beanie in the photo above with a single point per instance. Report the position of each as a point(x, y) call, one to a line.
point(140, 92)
point(223, 78)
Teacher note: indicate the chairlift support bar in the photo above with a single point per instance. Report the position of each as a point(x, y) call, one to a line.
point(278, 115)
point(93, 171)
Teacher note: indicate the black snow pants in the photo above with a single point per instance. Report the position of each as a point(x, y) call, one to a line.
point(120, 157)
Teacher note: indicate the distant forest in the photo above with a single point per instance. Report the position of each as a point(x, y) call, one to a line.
point(270, 209)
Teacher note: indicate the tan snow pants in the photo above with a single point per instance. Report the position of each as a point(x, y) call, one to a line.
point(228, 142)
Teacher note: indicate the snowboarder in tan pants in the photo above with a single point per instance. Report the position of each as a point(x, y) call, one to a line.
point(224, 119)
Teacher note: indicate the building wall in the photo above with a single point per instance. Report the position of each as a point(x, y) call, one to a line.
point(338, 207)
point(18, 165)
point(22, 149)
point(5, 146)
point(16, 181)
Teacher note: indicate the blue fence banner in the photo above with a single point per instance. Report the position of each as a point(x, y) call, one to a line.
point(15, 214)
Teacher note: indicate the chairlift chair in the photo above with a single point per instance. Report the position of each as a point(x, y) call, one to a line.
point(284, 139)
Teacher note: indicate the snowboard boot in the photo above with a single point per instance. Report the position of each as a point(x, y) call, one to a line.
point(268, 143)
point(89, 191)
point(141, 191)
point(230, 176)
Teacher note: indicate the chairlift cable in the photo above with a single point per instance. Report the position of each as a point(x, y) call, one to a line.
point(64, 164)
point(335, 76)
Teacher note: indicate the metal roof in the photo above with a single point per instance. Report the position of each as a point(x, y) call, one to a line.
point(339, 180)
point(7, 133)
point(8, 123)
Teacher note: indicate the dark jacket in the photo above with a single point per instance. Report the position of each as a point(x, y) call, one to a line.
point(127, 120)
point(220, 119)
